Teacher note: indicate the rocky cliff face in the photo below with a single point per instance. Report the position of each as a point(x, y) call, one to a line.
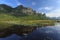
point(24, 10)
point(19, 10)
point(28, 11)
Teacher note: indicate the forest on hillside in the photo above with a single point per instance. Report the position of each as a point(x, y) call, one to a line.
point(21, 11)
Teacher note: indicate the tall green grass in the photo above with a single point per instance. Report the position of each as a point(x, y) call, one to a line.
point(7, 20)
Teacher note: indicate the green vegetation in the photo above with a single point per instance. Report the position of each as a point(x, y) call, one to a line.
point(21, 20)
point(7, 20)
point(22, 16)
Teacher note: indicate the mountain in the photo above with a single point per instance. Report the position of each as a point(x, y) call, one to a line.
point(21, 11)
point(5, 8)
point(55, 18)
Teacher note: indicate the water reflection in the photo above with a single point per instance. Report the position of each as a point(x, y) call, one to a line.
point(44, 33)
point(12, 37)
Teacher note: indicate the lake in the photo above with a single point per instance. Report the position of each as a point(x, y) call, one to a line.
point(44, 33)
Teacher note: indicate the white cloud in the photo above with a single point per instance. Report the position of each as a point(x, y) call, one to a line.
point(54, 13)
point(46, 8)
point(50, 11)
point(18, 3)
point(33, 3)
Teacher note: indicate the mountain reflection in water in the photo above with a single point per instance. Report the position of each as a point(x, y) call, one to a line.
point(46, 33)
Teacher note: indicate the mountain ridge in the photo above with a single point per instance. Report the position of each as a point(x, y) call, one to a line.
point(21, 11)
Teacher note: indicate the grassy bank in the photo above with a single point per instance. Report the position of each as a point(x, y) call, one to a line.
point(7, 20)
point(20, 27)
point(4, 24)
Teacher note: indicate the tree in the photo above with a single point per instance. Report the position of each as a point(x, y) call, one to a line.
point(44, 15)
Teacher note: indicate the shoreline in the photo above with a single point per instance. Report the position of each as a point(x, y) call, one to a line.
point(18, 29)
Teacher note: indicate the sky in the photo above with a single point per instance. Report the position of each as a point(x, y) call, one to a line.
point(50, 7)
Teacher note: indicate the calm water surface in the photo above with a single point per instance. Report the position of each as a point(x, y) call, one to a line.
point(44, 33)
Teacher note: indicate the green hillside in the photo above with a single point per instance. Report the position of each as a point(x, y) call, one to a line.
point(7, 20)
point(22, 16)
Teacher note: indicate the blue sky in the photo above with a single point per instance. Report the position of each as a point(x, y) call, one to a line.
point(50, 7)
